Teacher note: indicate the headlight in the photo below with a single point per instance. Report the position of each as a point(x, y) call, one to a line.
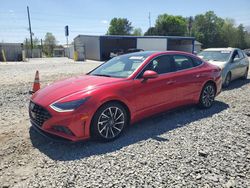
point(68, 106)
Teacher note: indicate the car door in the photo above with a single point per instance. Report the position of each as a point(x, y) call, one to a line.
point(189, 78)
point(235, 65)
point(243, 63)
point(158, 94)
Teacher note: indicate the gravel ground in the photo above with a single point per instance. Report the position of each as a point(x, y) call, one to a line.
point(188, 147)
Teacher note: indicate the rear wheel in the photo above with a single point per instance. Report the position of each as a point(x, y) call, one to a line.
point(207, 96)
point(109, 121)
point(227, 80)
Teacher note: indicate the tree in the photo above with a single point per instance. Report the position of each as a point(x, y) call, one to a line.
point(229, 33)
point(27, 44)
point(119, 26)
point(168, 25)
point(171, 25)
point(151, 31)
point(241, 34)
point(247, 38)
point(207, 29)
point(137, 32)
point(49, 44)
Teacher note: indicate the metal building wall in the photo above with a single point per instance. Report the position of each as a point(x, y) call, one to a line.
point(155, 44)
point(69, 51)
point(87, 47)
point(110, 43)
point(12, 51)
point(180, 45)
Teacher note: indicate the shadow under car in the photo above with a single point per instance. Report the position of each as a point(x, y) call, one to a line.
point(150, 128)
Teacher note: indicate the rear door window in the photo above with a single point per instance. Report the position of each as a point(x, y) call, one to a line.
point(182, 62)
point(196, 62)
point(240, 54)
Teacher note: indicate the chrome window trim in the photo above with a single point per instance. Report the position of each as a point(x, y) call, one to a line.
point(136, 77)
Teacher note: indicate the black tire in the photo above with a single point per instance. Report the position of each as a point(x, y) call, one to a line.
point(108, 126)
point(207, 96)
point(227, 80)
point(245, 75)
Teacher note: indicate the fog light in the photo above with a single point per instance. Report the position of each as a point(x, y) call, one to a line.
point(63, 129)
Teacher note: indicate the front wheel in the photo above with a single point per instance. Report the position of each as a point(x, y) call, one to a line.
point(227, 80)
point(207, 96)
point(245, 74)
point(109, 121)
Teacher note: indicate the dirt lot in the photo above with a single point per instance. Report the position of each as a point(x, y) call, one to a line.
point(185, 148)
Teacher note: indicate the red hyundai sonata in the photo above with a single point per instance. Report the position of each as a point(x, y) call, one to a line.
point(122, 91)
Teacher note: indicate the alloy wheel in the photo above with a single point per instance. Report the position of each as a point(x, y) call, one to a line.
point(208, 95)
point(227, 80)
point(246, 74)
point(111, 122)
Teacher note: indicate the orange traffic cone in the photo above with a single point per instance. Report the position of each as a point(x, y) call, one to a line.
point(36, 85)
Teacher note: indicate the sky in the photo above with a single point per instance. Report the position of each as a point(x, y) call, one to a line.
point(92, 17)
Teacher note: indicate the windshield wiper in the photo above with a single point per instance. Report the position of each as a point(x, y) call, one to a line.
point(101, 75)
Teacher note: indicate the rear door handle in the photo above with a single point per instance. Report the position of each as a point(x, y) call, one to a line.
point(169, 82)
point(197, 75)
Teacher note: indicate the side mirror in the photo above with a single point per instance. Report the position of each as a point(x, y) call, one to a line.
point(235, 59)
point(149, 74)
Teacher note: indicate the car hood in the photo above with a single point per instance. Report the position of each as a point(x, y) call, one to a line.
point(220, 64)
point(63, 88)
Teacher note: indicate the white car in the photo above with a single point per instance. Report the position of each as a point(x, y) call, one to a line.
point(233, 62)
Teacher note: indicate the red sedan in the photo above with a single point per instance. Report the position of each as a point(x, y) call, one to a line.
point(122, 91)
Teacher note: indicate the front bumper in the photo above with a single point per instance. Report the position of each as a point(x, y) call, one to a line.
point(49, 136)
point(72, 126)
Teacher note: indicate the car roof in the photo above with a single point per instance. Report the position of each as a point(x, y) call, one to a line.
point(149, 53)
point(220, 49)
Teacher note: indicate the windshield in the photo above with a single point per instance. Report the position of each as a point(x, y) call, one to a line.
point(215, 55)
point(121, 66)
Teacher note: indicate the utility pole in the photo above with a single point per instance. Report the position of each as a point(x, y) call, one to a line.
point(26, 47)
point(67, 35)
point(31, 41)
point(190, 25)
point(149, 19)
point(41, 47)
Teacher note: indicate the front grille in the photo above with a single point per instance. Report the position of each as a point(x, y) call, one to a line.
point(38, 114)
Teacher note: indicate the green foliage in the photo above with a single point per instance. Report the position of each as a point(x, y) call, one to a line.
point(137, 32)
point(49, 44)
point(241, 36)
point(229, 33)
point(247, 39)
point(208, 28)
point(27, 44)
point(171, 25)
point(151, 31)
point(213, 31)
point(168, 25)
point(120, 26)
